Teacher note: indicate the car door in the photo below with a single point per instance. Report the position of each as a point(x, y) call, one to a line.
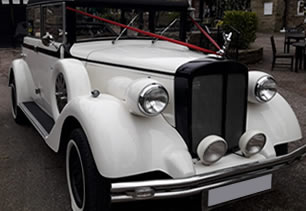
point(42, 58)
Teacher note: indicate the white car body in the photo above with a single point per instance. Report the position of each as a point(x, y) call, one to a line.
point(275, 118)
point(124, 144)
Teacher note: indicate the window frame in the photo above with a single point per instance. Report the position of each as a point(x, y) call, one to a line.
point(27, 21)
point(63, 5)
point(298, 13)
point(152, 27)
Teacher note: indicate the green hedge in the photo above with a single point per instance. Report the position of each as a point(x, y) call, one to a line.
point(245, 22)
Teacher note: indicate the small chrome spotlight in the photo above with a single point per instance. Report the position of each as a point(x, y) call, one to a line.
point(252, 142)
point(211, 149)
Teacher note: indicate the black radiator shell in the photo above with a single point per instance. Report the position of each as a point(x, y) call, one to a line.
point(234, 100)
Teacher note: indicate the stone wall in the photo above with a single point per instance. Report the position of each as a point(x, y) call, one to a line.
point(279, 15)
point(275, 22)
point(292, 18)
point(269, 23)
point(250, 56)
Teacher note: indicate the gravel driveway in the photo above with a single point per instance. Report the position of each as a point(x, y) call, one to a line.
point(32, 177)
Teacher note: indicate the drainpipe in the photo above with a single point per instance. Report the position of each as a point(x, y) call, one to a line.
point(201, 10)
point(285, 14)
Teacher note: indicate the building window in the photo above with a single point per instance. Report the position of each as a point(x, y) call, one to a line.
point(300, 8)
point(268, 8)
point(5, 1)
point(53, 21)
point(34, 22)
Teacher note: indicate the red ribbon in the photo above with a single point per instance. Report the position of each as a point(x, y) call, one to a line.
point(143, 32)
point(205, 33)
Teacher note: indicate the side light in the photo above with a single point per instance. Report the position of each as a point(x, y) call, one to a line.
point(252, 142)
point(211, 149)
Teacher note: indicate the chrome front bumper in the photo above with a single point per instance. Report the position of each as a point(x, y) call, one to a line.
point(170, 188)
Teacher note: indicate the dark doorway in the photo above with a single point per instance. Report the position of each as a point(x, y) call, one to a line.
point(11, 17)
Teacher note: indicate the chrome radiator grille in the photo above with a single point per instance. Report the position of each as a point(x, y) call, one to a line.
point(215, 98)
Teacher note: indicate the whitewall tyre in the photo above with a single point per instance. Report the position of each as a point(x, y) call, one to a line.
point(88, 190)
point(17, 114)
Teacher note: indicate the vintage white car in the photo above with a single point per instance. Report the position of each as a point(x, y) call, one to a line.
point(140, 112)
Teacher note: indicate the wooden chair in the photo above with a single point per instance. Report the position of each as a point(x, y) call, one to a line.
point(280, 55)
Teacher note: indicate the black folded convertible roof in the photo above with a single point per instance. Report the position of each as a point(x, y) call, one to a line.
point(145, 3)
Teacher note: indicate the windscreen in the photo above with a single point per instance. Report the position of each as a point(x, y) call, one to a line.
point(166, 23)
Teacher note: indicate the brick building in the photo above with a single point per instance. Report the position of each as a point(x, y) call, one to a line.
point(273, 15)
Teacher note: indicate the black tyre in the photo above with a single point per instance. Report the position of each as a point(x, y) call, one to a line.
point(17, 113)
point(87, 188)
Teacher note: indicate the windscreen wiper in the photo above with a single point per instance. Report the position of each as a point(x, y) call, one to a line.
point(150, 34)
point(124, 30)
point(166, 29)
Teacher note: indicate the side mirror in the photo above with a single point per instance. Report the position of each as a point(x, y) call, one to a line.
point(47, 39)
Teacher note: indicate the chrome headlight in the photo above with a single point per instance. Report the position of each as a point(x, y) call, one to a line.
point(211, 149)
point(146, 97)
point(265, 89)
point(252, 142)
point(153, 99)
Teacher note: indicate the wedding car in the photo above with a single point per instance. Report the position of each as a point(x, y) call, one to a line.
point(142, 113)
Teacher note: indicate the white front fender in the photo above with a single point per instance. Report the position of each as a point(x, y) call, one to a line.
point(276, 119)
point(124, 144)
point(76, 78)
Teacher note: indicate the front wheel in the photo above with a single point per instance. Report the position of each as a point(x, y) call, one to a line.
point(87, 188)
point(17, 114)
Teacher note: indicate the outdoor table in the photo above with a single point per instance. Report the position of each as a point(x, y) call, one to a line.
point(297, 36)
point(299, 50)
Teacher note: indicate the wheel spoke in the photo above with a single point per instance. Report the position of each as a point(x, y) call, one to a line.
point(61, 92)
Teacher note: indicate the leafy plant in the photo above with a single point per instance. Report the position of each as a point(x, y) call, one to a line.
point(245, 23)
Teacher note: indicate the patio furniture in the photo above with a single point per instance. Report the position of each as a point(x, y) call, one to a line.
point(280, 55)
point(292, 37)
point(299, 51)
